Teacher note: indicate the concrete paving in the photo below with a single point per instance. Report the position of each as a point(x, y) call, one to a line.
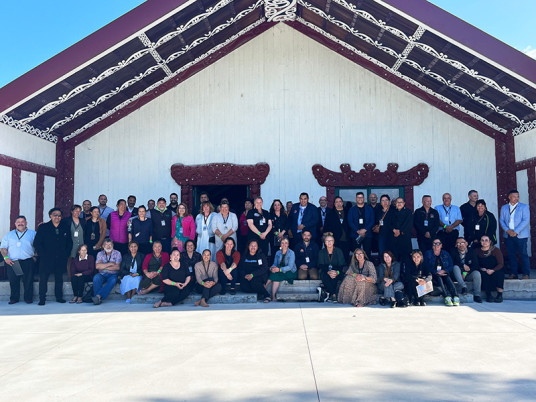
point(275, 352)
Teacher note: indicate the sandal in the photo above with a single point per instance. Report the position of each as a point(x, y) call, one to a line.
point(267, 299)
point(73, 300)
point(79, 301)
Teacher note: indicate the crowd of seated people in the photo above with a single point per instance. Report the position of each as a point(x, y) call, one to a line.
point(163, 248)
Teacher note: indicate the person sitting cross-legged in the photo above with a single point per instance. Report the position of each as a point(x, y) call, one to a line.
point(466, 268)
point(152, 268)
point(176, 277)
point(206, 272)
point(108, 263)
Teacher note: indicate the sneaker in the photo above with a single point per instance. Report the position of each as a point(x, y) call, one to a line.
point(499, 298)
point(464, 290)
point(127, 301)
point(448, 301)
point(477, 299)
point(456, 301)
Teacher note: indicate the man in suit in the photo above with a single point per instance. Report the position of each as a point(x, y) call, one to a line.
point(304, 216)
point(515, 220)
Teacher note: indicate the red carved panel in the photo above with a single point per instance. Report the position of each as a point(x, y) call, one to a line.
point(225, 174)
point(15, 196)
point(39, 199)
point(531, 173)
point(27, 166)
point(370, 176)
point(505, 167)
point(64, 195)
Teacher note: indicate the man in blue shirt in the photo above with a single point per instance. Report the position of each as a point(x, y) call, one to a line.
point(17, 246)
point(450, 218)
point(304, 216)
point(515, 220)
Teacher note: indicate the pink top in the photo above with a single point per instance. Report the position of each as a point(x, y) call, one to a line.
point(188, 227)
point(243, 225)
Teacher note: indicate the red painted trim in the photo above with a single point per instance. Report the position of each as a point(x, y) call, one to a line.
point(39, 199)
point(85, 50)
point(525, 164)
point(531, 174)
point(399, 82)
point(15, 196)
point(506, 174)
point(370, 176)
point(172, 83)
point(27, 166)
point(224, 174)
point(468, 35)
point(64, 194)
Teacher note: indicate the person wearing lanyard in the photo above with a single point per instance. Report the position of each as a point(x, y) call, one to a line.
point(361, 220)
point(304, 216)
point(515, 220)
point(324, 216)
point(439, 263)
point(450, 218)
point(402, 226)
point(469, 212)
point(161, 218)
point(426, 223)
point(190, 257)
point(331, 264)
point(94, 232)
point(206, 272)
point(337, 224)
point(260, 225)
point(182, 226)
point(107, 264)
point(466, 268)
point(224, 225)
point(203, 226)
point(53, 245)
point(104, 210)
point(483, 224)
point(17, 245)
point(359, 285)
point(131, 270)
point(77, 227)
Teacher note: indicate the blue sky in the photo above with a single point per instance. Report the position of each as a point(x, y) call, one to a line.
point(33, 31)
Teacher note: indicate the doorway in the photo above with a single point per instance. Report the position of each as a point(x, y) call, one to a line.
point(236, 195)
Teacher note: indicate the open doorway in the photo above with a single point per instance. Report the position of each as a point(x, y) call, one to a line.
point(235, 194)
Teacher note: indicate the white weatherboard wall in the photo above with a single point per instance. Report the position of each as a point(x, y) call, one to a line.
point(27, 147)
point(525, 145)
point(286, 100)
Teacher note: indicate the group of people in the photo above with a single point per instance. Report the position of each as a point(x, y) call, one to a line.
point(162, 247)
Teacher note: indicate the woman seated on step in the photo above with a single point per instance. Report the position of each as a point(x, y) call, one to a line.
point(152, 268)
point(284, 268)
point(359, 285)
point(228, 259)
point(331, 264)
point(206, 273)
point(390, 287)
point(131, 271)
point(253, 271)
point(416, 274)
point(176, 277)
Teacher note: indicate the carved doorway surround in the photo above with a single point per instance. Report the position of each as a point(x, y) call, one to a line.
point(223, 174)
point(370, 176)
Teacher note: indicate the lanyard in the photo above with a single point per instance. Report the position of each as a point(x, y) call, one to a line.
point(205, 268)
point(102, 210)
point(513, 210)
point(385, 213)
point(445, 209)
point(205, 218)
point(17, 233)
point(225, 220)
point(108, 257)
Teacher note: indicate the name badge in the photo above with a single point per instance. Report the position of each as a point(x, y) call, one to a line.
point(262, 221)
point(259, 261)
point(92, 236)
point(163, 222)
point(190, 269)
point(381, 223)
point(225, 228)
point(426, 223)
point(341, 220)
point(204, 228)
point(75, 234)
point(361, 221)
point(137, 234)
point(438, 268)
point(447, 219)
point(19, 244)
point(330, 267)
point(307, 259)
point(477, 227)
point(180, 231)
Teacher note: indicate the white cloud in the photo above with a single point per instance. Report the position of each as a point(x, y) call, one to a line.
point(530, 51)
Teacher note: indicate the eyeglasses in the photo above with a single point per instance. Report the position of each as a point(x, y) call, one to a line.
point(460, 243)
point(359, 254)
point(436, 244)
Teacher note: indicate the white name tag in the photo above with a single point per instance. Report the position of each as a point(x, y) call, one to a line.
point(381, 223)
point(19, 244)
point(425, 223)
point(262, 221)
point(307, 259)
point(361, 221)
point(163, 222)
point(75, 234)
point(259, 262)
point(477, 227)
point(225, 228)
point(447, 219)
point(438, 268)
point(137, 234)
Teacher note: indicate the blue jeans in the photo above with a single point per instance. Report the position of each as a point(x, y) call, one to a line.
point(103, 284)
point(516, 245)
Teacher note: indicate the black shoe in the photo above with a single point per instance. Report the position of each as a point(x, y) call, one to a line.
point(28, 301)
point(60, 300)
point(233, 291)
point(422, 303)
point(333, 298)
point(392, 304)
point(415, 302)
point(41, 303)
point(499, 298)
point(477, 299)
point(12, 302)
point(489, 299)
point(382, 301)
point(464, 291)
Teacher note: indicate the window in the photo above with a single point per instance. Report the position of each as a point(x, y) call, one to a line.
point(348, 193)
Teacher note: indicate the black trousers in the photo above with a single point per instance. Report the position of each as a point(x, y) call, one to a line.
point(43, 283)
point(27, 280)
point(425, 243)
point(402, 248)
point(174, 295)
point(329, 284)
point(78, 283)
point(207, 293)
point(448, 239)
point(255, 285)
point(366, 245)
point(492, 282)
point(445, 283)
point(224, 281)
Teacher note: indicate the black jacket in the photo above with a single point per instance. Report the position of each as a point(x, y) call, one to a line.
point(53, 245)
point(126, 262)
point(420, 216)
point(470, 259)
